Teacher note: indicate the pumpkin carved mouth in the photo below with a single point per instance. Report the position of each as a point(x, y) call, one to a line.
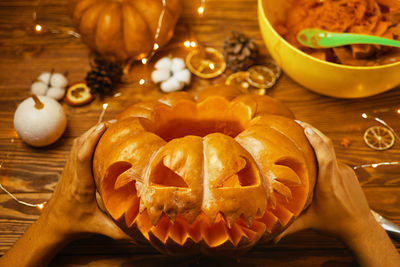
point(212, 174)
point(178, 229)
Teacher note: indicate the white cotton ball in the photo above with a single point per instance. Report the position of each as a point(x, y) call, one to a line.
point(171, 85)
point(40, 126)
point(160, 75)
point(56, 93)
point(164, 64)
point(44, 77)
point(58, 80)
point(39, 88)
point(177, 64)
point(183, 76)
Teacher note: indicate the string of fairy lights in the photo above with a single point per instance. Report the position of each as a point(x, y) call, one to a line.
point(39, 28)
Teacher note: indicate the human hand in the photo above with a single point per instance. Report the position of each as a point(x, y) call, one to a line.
point(339, 207)
point(72, 210)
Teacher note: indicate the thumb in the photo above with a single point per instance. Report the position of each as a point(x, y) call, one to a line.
point(102, 224)
point(301, 223)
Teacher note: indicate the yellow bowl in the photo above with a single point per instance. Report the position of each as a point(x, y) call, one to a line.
point(317, 75)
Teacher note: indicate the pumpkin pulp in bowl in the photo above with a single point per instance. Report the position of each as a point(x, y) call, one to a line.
point(218, 174)
point(320, 76)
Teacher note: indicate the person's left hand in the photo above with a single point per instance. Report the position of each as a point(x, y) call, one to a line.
point(72, 210)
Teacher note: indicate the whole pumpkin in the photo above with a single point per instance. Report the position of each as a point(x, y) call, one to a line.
point(121, 30)
point(215, 175)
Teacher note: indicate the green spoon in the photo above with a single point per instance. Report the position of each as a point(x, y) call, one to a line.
point(316, 38)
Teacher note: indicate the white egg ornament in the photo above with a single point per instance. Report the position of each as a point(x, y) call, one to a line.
point(40, 120)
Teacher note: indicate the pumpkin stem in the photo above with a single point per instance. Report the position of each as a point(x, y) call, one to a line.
point(38, 104)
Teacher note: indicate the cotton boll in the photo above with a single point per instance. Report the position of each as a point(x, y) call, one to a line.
point(177, 64)
point(160, 75)
point(171, 85)
point(58, 80)
point(183, 76)
point(164, 63)
point(39, 88)
point(44, 77)
point(56, 93)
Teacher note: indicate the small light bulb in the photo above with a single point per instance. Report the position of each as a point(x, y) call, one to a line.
point(186, 43)
point(105, 105)
point(364, 115)
point(40, 206)
point(200, 10)
point(374, 165)
point(193, 44)
point(211, 66)
point(38, 28)
point(261, 91)
point(156, 46)
point(141, 82)
point(398, 111)
point(144, 61)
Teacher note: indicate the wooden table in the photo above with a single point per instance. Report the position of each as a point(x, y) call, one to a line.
point(31, 173)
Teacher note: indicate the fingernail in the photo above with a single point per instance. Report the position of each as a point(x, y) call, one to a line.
point(299, 122)
point(309, 131)
point(100, 127)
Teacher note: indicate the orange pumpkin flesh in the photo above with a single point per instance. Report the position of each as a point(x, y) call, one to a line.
point(215, 175)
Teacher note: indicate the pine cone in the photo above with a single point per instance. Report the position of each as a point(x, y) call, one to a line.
point(103, 76)
point(240, 52)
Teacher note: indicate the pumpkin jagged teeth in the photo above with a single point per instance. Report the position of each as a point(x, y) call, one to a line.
point(259, 213)
point(269, 219)
point(216, 233)
point(155, 215)
point(162, 229)
point(282, 189)
point(284, 215)
point(272, 201)
point(236, 234)
point(132, 212)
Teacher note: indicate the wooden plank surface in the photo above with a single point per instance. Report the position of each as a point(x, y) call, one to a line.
point(31, 173)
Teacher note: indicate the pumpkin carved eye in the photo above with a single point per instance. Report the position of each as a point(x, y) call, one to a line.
point(245, 176)
point(165, 177)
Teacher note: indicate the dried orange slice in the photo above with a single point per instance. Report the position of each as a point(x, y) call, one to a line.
point(206, 62)
point(78, 94)
point(239, 80)
point(261, 76)
point(271, 64)
point(379, 138)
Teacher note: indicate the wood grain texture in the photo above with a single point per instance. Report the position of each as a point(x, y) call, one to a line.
point(32, 173)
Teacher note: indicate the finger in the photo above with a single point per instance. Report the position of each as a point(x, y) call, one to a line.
point(89, 140)
point(102, 224)
point(301, 223)
point(322, 145)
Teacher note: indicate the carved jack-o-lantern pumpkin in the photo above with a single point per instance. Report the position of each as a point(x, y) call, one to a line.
point(212, 175)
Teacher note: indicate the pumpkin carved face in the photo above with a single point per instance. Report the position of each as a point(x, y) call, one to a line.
point(221, 173)
point(121, 30)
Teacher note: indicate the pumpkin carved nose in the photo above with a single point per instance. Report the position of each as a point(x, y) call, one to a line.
point(244, 175)
point(165, 177)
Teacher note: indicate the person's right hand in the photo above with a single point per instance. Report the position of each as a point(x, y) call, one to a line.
point(339, 206)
